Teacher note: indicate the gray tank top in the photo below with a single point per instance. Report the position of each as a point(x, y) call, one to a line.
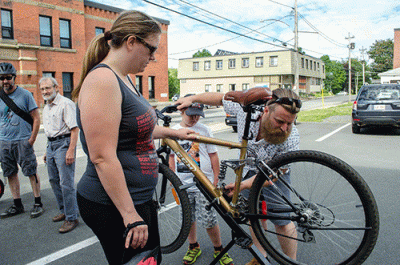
point(135, 151)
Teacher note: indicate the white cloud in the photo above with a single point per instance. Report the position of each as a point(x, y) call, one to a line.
point(367, 21)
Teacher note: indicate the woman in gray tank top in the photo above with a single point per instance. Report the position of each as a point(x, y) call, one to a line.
point(118, 127)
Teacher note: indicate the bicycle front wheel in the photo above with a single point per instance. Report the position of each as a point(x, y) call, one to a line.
point(173, 207)
point(334, 215)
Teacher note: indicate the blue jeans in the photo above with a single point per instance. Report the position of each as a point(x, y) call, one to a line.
point(61, 177)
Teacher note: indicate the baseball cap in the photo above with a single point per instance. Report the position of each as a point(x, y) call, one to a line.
point(195, 109)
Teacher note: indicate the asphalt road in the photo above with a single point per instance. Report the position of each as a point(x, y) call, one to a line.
point(374, 154)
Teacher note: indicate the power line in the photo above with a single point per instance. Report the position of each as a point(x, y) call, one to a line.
point(207, 23)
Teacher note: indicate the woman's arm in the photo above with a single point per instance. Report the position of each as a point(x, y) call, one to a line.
point(215, 166)
point(100, 107)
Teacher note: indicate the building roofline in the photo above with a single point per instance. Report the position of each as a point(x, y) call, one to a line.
point(245, 53)
point(117, 10)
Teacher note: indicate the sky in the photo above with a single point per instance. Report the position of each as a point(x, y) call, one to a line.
point(325, 27)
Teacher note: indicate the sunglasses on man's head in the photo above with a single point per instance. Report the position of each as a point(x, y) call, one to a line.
point(151, 48)
point(287, 101)
point(6, 77)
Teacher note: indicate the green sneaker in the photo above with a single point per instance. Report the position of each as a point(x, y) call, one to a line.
point(225, 260)
point(191, 255)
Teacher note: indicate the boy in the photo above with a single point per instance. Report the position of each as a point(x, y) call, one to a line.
point(206, 157)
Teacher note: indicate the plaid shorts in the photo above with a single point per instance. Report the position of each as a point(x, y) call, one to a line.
point(19, 152)
point(207, 219)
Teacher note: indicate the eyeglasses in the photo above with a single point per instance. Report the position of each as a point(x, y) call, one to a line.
point(151, 48)
point(287, 101)
point(6, 77)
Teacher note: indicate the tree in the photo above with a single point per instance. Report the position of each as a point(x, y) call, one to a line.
point(173, 82)
point(335, 75)
point(203, 53)
point(382, 54)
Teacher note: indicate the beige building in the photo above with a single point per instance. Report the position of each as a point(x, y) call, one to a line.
point(227, 71)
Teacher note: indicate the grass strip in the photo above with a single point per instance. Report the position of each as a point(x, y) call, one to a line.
point(318, 115)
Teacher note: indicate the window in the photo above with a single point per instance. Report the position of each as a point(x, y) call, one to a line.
point(151, 87)
point(310, 64)
point(207, 88)
point(259, 61)
point(139, 84)
point(315, 66)
point(245, 86)
point(232, 63)
point(218, 65)
point(207, 65)
point(7, 31)
point(302, 62)
point(245, 62)
point(232, 87)
point(219, 88)
point(49, 74)
point(46, 36)
point(67, 84)
point(318, 66)
point(195, 66)
point(65, 33)
point(99, 30)
point(273, 61)
point(306, 63)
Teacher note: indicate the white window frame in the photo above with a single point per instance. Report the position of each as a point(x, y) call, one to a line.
point(207, 88)
point(259, 61)
point(196, 66)
point(207, 65)
point(245, 86)
point(219, 65)
point(273, 61)
point(245, 62)
point(232, 63)
point(220, 87)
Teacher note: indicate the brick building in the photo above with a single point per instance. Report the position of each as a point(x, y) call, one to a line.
point(47, 37)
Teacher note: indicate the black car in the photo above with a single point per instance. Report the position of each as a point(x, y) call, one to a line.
point(376, 105)
point(231, 121)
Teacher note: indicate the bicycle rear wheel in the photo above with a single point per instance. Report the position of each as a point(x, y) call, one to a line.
point(340, 220)
point(173, 207)
point(1, 188)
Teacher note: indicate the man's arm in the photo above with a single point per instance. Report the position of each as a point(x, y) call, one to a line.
point(36, 125)
point(70, 155)
point(172, 162)
point(209, 98)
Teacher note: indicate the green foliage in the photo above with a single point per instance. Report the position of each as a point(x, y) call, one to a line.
point(382, 54)
point(203, 53)
point(335, 75)
point(318, 115)
point(173, 82)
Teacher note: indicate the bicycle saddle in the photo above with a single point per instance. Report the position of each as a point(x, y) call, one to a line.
point(257, 95)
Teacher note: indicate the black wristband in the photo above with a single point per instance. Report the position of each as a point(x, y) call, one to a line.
point(133, 225)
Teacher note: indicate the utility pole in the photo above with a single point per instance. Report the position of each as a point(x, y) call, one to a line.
point(351, 47)
point(363, 63)
point(296, 50)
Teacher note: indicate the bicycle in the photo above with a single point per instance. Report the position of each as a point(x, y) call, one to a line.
point(333, 209)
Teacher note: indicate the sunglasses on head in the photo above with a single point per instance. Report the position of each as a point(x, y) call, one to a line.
point(286, 101)
point(151, 48)
point(6, 77)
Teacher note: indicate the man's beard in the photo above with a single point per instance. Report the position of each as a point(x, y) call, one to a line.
point(51, 97)
point(8, 87)
point(271, 135)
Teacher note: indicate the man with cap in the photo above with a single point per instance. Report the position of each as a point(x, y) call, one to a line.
point(17, 137)
point(206, 157)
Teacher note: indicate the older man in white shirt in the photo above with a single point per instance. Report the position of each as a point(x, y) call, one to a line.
point(61, 129)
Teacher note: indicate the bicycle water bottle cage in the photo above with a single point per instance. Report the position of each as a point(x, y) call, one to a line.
point(256, 96)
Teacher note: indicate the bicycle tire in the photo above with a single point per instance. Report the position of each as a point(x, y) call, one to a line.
point(338, 198)
point(174, 220)
point(1, 188)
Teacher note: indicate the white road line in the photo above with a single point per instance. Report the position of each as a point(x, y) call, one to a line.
point(65, 252)
point(332, 133)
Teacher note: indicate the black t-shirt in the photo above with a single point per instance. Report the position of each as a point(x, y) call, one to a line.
point(135, 151)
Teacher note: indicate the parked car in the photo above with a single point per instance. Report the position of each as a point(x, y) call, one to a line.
point(175, 97)
point(376, 105)
point(342, 93)
point(231, 120)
